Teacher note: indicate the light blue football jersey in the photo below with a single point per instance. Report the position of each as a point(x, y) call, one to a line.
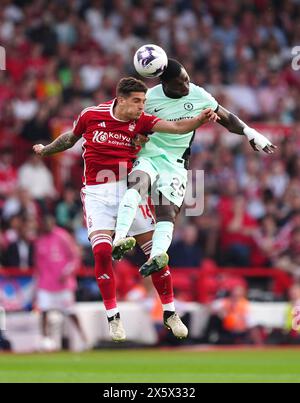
point(189, 106)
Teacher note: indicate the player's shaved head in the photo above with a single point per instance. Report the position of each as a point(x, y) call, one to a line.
point(128, 85)
point(175, 80)
point(172, 71)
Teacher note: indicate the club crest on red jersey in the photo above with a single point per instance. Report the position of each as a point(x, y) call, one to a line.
point(131, 126)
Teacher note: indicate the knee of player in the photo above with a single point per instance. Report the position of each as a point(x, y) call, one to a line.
point(140, 181)
point(166, 213)
point(102, 250)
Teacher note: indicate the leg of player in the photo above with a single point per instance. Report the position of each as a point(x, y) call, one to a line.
point(162, 281)
point(166, 213)
point(102, 249)
point(139, 183)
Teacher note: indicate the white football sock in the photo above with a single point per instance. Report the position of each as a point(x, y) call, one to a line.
point(126, 213)
point(169, 307)
point(162, 237)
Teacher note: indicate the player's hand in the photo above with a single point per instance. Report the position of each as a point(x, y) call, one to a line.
point(208, 115)
point(258, 141)
point(38, 149)
point(269, 148)
point(140, 139)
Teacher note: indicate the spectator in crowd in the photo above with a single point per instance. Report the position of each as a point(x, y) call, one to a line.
point(289, 333)
point(36, 177)
point(83, 243)
point(37, 129)
point(237, 228)
point(265, 238)
point(229, 322)
point(20, 252)
point(68, 210)
point(10, 234)
point(56, 261)
point(25, 106)
point(8, 173)
point(292, 323)
point(290, 257)
point(20, 203)
point(4, 342)
point(186, 251)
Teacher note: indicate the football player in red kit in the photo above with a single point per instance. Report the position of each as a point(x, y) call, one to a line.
point(109, 130)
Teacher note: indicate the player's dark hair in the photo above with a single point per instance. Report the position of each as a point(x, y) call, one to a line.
point(173, 70)
point(130, 84)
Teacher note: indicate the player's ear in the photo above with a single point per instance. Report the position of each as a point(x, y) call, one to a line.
point(119, 99)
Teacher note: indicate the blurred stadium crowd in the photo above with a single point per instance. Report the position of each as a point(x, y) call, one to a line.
point(62, 56)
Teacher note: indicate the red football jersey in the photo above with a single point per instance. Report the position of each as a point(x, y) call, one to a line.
point(108, 150)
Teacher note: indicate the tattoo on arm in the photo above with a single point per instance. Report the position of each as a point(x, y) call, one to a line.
point(61, 143)
point(230, 121)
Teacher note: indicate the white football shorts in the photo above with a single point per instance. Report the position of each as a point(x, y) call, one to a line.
point(101, 204)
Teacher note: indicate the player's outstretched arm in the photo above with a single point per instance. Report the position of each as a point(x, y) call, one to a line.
point(186, 125)
point(236, 125)
point(61, 143)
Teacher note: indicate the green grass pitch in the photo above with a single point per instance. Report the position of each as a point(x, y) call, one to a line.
point(154, 365)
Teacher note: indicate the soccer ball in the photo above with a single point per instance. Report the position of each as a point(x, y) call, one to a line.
point(150, 61)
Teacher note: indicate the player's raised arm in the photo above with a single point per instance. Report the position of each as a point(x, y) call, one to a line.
point(236, 125)
point(186, 125)
point(61, 143)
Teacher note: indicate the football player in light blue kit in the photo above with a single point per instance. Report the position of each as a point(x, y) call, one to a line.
point(163, 161)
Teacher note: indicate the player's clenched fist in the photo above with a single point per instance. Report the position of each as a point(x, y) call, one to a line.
point(208, 115)
point(38, 149)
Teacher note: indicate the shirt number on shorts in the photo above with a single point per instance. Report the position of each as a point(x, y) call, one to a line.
point(145, 211)
point(178, 188)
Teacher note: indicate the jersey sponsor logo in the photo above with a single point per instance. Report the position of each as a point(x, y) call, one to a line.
point(157, 110)
point(188, 106)
point(100, 137)
point(181, 118)
point(103, 137)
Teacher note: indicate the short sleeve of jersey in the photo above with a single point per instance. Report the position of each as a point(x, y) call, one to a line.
point(206, 98)
point(147, 122)
point(79, 125)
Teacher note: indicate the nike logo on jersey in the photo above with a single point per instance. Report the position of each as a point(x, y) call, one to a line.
point(157, 110)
